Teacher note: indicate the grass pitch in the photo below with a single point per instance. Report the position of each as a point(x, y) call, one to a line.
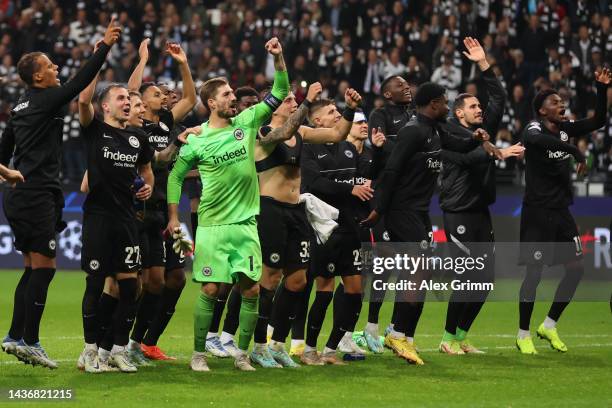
point(500, 378)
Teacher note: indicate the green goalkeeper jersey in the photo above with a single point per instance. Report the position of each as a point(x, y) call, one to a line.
point(225, 159)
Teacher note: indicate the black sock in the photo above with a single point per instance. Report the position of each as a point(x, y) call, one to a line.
point(35, 298)
point(266, 299)
point(527, 294)
point(16, 330)
point(454, 311)
point(412, 319)
point(338, 299)
point(286, 305)
point(353, 301)
point(374, 311)
point(94, 285)
point(106, 312)
point(345, 318)
point(167, 305)
point(396, 315)
point(194, 224)
point(147, 309)
point(299, 323)
point(316, 316)
point(126, 310)
point(470, 312)
point(566, 289)
point(234, 300)
point(217, 314)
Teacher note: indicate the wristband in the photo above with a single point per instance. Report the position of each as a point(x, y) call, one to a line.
point(178, 143)
point(348, 114)
point(307, 103)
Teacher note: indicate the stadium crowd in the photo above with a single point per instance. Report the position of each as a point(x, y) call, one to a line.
point(532, 45)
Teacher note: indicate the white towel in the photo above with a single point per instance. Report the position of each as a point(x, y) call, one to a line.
point(321, 216)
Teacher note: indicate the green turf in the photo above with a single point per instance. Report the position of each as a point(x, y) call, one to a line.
point(501, 378)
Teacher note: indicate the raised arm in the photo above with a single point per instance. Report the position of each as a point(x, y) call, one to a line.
point(341, 130)
point(64, 94)
point(586, 126)
point(188, 101)
point(535, 136)
point(136, 78)
point(86, 109)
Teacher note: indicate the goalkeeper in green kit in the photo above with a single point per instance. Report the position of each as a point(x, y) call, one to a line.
point(227, 246)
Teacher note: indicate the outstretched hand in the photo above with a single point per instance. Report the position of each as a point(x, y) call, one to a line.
point(143, 50)
point(604, 76)
point(113, 31)
point(176, 52)
point(378, 137)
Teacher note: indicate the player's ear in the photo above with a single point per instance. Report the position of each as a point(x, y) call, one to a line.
point(387, 95)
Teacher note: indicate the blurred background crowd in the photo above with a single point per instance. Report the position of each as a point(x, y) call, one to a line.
point(341, 43)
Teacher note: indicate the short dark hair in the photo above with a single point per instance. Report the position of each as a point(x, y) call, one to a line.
point(427, 92)
point(245, 91)
point(103, 95)
point(539, 99)
point(28, 65)
point(317, 105)
point(460, 100)
point(135, 93)
point(385, 84)
point(146, 85)
point(209, 89)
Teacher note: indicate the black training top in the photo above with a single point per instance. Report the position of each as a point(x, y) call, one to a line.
point(330, 171)
point(113, 157)
point(160, 137)
point(37, 123)
point(282, 154)
point(468, 180)
point(548, 169)
point(390, 119)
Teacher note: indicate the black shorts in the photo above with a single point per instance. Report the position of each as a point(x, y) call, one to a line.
point(284, 234)
point(469, 233)
point(157, 250)
point(549, 236)
point(193, 187)
point(110, 245)
point(35, 216)
point(410, 226)
point(339, 256)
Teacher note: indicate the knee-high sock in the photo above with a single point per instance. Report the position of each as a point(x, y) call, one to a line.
point(345, 319)
point(94, 285)
point(566, 289)
point(316, 316)
point(416, 309)
point(18, 322)
point(338, 299)
point(147, 309)
point(286, 305)
point(527, 294)
point(454, 312)
point(248, 321)
point(35, 299)
point(217, 314)
point(266, 299)
point(202, 316)
point(230, 325)
point(167, 306)
point(299, 323)
point(106, 315)
point(126, 310)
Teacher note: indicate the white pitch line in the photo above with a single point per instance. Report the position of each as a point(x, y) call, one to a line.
point(186, 358)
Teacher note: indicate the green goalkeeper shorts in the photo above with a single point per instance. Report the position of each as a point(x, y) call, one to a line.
point(223, 251)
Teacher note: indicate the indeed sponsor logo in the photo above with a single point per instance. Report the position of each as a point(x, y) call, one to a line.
point(434, 164)
point(21, 106)
point(230, 155)
point(118, 156)
point(158, 139)
point(558, 155)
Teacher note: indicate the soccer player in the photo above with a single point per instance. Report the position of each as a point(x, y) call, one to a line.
point(549, 235)
point(385, 122)
point(116, 155)
point(34, 208)
point(283, 228)
point(163, 274)
point(404, 191)
point(467, 190)
point(227, 244)
point(224, 345)
point(329, 173)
